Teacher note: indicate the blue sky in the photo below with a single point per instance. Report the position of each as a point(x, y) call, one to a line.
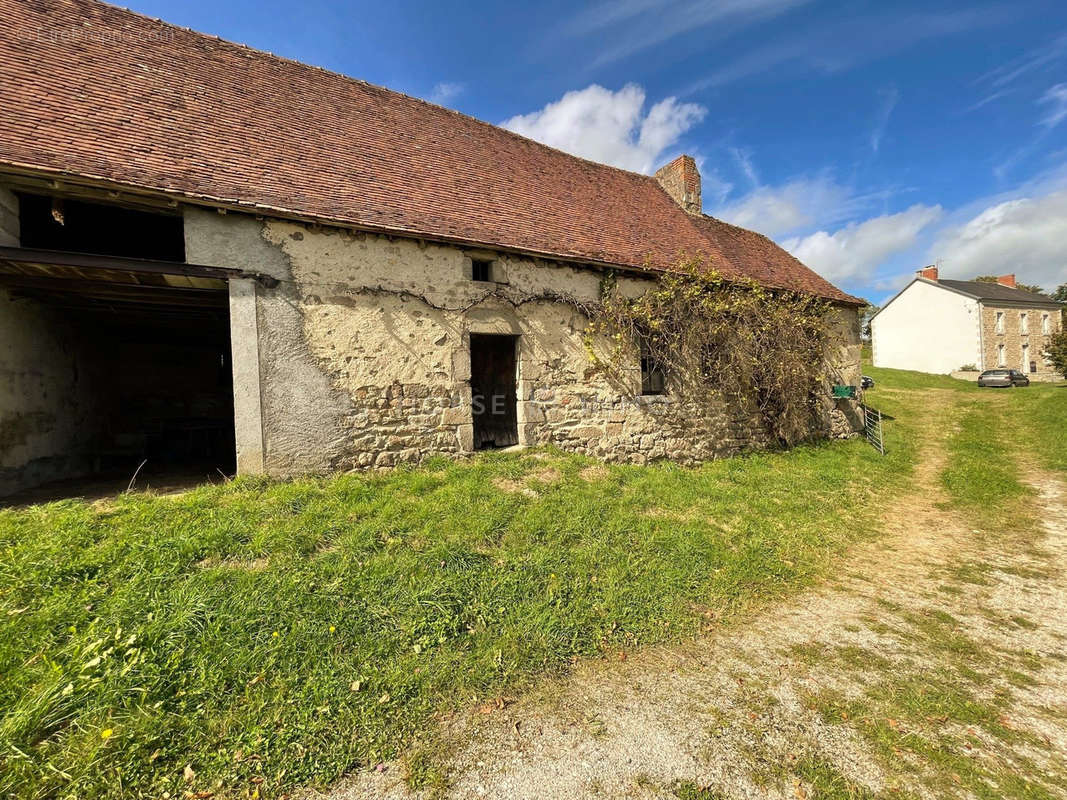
point(870, 138)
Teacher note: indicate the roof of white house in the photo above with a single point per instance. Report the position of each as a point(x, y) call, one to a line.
point(984, 292)
point(995, 292)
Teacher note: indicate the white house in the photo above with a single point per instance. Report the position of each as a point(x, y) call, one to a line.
point(939, 326)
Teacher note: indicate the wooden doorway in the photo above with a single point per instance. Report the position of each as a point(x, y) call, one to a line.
point(493, 390)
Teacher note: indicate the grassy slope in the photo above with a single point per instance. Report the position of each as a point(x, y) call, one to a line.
point(287, 631)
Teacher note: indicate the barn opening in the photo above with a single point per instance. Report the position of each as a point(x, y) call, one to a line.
point(493, 390)
point(117, 356)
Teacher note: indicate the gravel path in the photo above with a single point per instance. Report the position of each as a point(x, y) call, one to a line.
point(933, 666)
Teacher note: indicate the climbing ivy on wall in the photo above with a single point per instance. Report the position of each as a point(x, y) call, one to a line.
point(764, 350)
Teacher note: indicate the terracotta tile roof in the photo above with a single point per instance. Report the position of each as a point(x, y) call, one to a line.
point(92, 90)
point(756, 256)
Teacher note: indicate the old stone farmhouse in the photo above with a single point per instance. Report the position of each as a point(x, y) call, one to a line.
point(212, 255)
point(941, 326)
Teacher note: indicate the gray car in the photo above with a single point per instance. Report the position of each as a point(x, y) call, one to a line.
point(1003, 378)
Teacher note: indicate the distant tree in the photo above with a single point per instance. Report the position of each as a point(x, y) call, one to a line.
point(866, 312)
point(1026, 287)
point(1060, 293)
point(1056, 352)
point(1029, 287)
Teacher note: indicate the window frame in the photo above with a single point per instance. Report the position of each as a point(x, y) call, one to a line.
point(482, 266)
point(653, 376)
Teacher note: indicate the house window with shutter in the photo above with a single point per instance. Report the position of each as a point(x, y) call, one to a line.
point(1024, 322)
point(1000, 323)
point(1000, 356)
point(1046, 324)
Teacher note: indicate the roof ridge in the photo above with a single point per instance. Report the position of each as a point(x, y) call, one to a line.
point(982, 284)
point(374, 86)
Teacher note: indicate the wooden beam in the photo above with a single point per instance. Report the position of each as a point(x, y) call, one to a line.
point(25, 255)
point(136, 291)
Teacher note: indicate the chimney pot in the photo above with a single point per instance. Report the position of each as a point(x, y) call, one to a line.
point(681, 180)
point(1007, 280)
point(930, 273)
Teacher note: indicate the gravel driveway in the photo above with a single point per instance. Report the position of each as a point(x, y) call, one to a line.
point(933, 666)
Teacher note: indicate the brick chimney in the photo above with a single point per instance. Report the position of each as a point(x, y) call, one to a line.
point(1007, 280)
point(681, 180)
point(930, 273)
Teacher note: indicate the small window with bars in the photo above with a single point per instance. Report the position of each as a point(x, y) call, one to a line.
point(481, 270)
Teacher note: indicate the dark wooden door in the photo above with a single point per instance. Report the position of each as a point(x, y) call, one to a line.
point(493, 391)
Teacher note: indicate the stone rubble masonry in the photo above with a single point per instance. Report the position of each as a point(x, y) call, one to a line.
point(1013, 339)
point(365, 361)
point(681, 180)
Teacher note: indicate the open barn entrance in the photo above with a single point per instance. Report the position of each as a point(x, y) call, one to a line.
point(118, 357)
point(493, 390)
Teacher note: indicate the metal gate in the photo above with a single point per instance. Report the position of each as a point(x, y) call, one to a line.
point(872, 426)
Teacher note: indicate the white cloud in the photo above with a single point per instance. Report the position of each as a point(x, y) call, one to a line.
point(1035, 59)
point(800, 203)
point(852, 40)
point(1027, 236)
point(1056, 98)
point(857, 249)
point(444, 92)
point(610, 127)
point(744, 163)
point(636, 25)
point(889, 102)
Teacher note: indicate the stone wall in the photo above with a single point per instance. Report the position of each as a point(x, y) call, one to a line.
point(45, 401)
point(42, 408)
point(1013, 339)
point(365, 360)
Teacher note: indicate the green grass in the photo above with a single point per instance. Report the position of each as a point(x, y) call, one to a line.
point(286, 632)
point(982, 477)
point(291, 631)
point(1043, 424)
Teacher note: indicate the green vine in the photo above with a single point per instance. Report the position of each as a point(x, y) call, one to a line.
point(760, 349)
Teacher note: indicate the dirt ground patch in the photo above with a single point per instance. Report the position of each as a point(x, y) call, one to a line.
point(932, 666)
point(594, 472)
point(545, 476)
point(247, 565)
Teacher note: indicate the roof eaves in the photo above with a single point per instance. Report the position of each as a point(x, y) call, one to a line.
point(232, 204)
